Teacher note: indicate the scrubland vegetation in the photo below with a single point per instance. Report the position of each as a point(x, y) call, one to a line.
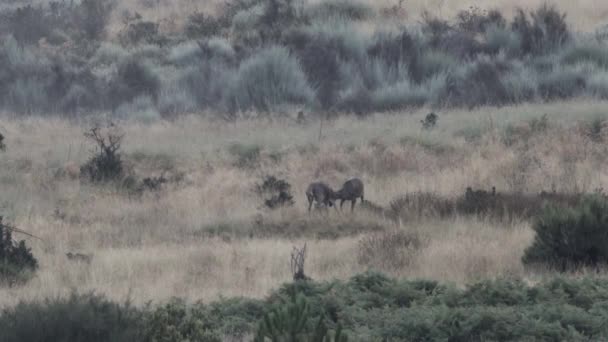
point(154, 157)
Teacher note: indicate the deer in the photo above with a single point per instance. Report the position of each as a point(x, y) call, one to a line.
point(321, 193)
point(78, 257)
point(351, 190)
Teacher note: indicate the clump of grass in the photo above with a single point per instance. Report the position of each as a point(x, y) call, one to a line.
point(247, 156)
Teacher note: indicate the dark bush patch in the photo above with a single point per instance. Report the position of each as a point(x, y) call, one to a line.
point(275, 192)
point(17, 264)
point(2, 145)
point(106, 163)
point(429, 122)
point(78, 318)
point(571, 237)
point(134, 78)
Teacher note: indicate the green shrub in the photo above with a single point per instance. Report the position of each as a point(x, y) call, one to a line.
point(571, 237)
point(268, 79)
point(17, 264)
point(293, 322)
point(77, 318)
point(176, 321)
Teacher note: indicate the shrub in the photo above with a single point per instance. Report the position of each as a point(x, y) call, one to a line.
point(175, 321)
point(92, 17)
point(142, 108)
point(292, 322)
point(571, 237)
point(200, 25)
point(597, 84)
point(420, 204)
point(17, 263)
point(77, 318)
point(2, 145)
point(501, 39)
point(430, 121)
point(265, 81)
point(562, 83)
point(346, 9)
point(134, 78)
point(388, 251)
point(546, 32)
point(140, 32)
point(106, 163)
point(476, 20)
point(275, 192)
point(479, 83)
point(592, 52)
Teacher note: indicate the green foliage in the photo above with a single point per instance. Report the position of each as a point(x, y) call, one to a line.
point(571, 237)
point(292, 322)
point(175, 322)
point(77, 318)
point(17, 264)
point(370, 306)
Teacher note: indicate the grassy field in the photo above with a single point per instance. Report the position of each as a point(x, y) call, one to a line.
point(207, 235)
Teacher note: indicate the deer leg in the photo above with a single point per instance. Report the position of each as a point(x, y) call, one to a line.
point(309, 204)
point(352, 205)
point(341, 203)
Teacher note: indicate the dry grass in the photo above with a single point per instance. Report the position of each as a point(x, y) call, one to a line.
point(156, 247)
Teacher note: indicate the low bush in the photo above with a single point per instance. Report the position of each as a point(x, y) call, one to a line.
point(275, 193)
point(105, 164)
point(366, 307)
point(17, 264)
point(77, 318)
point(573, 237)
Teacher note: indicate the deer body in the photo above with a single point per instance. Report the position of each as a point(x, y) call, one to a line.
point(321, 193)
point(351, 190)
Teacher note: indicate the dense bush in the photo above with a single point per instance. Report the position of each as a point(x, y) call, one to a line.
point(78, 318)
point(267, 80)
point(271, 55)
point(368, 307)
point(17, 263)
point(571, 237)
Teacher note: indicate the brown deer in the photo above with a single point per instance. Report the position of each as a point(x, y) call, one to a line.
point(321, 193)
point(351, 190)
